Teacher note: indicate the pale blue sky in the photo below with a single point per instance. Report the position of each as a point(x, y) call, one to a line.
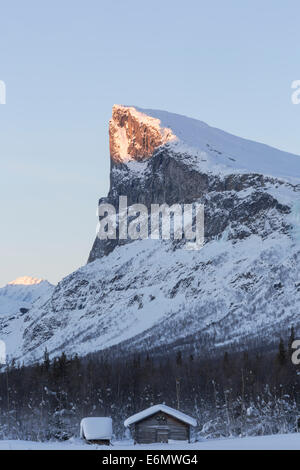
point(65, 63)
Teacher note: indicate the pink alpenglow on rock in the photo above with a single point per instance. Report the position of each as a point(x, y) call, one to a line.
point(134, 135)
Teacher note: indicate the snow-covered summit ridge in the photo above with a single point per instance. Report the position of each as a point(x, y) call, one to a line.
point(216, 151)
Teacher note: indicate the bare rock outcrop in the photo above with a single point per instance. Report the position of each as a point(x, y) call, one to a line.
point(134, 135)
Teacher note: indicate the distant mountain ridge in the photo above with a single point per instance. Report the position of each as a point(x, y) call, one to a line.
point(26, 281)
point(17, 298)
point(22, 292)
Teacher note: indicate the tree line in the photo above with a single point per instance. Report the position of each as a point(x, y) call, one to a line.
point(235, 393)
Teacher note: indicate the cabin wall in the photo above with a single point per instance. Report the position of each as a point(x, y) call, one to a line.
point(151, 430)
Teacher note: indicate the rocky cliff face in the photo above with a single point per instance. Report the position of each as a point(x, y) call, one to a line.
point(169, 178)
point(134, 135)
point(242, 285)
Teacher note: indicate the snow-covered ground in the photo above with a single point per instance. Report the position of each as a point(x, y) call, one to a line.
point(275, 442)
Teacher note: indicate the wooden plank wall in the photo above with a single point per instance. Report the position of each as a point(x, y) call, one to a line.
point(145, 431)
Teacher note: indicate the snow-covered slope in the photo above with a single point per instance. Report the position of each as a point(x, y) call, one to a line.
point(148, 295)
point(243, 284)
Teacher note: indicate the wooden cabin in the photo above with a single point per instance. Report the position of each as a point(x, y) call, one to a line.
point(160, 423)
point(96, 430)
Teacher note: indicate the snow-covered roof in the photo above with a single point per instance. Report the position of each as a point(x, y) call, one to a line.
point(165, 409)
point(96, 428)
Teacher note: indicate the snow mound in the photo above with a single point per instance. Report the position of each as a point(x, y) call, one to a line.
point(96, 428)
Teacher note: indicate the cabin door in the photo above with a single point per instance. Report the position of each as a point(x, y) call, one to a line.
point(162, 435)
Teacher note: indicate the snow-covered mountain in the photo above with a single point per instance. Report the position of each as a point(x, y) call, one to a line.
point(22, 293)
point(243, 284)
